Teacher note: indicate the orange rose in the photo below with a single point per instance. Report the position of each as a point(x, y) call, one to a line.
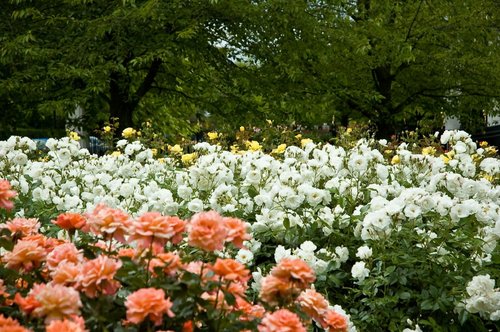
point(229, 269)
point(238, 289)
point(249, 311)
point(273, 289)
point(57, 302)
point(294, 270)
point(237, 231)
point(335, 322)
point(147, 302)
point(22, 226)
point(66, 274)
point(207, 231)
point(47, 243)
point(70, 221)
point(217, 299)
point(154, 229)
point(131, 253)
point(75, 324)
point(169, 262)
point(26, 255)
point(108, 222)
point(8, 324)
point(6, 194)
point(313, 304)
point(66, 252)
point(281, 320)
point(188, 326)
point(97, 276)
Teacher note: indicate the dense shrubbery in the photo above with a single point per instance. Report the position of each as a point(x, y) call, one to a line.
point(398, 234)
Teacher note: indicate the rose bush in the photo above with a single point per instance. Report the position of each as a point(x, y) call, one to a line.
point(394, 232)
point(98, 281)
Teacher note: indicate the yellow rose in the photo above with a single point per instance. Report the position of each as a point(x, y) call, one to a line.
point(298, 136)
point(154, 151)
point(279, 149)
point(188, 158)
point(175, 149)
point(430, 150)
point(348, 131)
point(74, 136)
point(491, 150)
point(107, 129)
point(116, 153)
point(129, 132)
point(483, 144)
point(395, 160)
point(305, 141)
point(254, 146)
point(445, 158)
point(242, 129)
point(213, 135)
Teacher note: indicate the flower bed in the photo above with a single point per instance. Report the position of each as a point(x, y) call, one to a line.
point(402, 237)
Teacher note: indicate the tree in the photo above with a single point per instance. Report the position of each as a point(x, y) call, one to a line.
point(133, 59)
point(397, 64)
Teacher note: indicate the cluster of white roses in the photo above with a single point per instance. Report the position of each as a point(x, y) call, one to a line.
point(483, 297)
point(323, 187)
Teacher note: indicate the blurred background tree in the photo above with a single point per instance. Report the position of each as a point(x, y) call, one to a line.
point(185, 63)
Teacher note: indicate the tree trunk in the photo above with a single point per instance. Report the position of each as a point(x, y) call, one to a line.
point(120, 105)
point(384, 121)
point(123, 102)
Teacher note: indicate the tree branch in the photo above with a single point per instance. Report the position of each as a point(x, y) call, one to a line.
point(413, 21)
point(149, 79)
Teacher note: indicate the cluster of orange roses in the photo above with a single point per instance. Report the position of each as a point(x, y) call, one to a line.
point(65, 274)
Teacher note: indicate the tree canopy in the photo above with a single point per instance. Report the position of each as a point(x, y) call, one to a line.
point(397, 64)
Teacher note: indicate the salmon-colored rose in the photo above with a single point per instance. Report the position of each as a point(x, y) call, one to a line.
point(249, 311)
point(25, 256)
point(70, 221)
point(57, 302)
point(148, 303)
point(108, 222)
point(229, 269)
point(217, 299)
point(6, 194)
point(29, 303)
point(66, 252)
point(8, 324)
point(313, 304)
point(127, 252)
point(154, 229)
point(66, 274)
point(97, 276)
point(238, 289)
point(22, 226)
point(47, 243)
point(294, 270)
point(75, 324)
point(274, 289)
point(335, 322)
point(207, 231)
point(281, 320)
point(237, 231)
point(169, 262)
